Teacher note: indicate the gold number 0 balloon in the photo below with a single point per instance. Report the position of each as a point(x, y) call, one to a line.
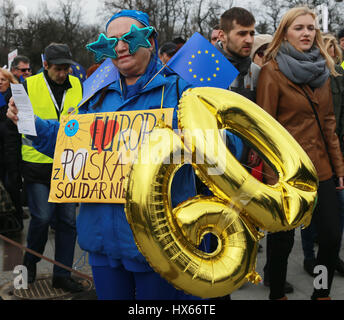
point(169, 238)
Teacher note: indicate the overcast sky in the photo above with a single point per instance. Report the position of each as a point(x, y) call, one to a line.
point(89, 7)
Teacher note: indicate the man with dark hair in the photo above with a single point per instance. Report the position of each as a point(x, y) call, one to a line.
point(179, 41)
point(52, 93)
point(236, 16)
point(235, 39)
point(236, 35)
point(214, 37)
point(20, 68)
point(167, 51)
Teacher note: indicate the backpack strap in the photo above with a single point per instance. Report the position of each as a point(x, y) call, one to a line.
point(319, 125)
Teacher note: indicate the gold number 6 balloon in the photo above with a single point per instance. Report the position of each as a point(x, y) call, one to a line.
point(169, 238)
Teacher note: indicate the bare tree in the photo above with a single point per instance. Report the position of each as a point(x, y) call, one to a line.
point(184, 29)
point(7, 18)
point(175, 18)
point(335, 10)
point(61, 25)
point(207, 15)
point(69, 13)
point(263, 28)
point(272, 13)
point(163, 14)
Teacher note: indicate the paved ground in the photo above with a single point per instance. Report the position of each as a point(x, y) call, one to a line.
point(11, 256)
point(302, 282)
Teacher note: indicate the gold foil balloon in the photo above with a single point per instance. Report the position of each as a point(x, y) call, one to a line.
point(284, 206)
point(169, 238)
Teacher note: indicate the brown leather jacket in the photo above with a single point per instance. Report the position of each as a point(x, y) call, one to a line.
point(287, 103)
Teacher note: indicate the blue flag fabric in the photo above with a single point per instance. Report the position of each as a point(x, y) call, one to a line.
point(43, 59)
point(202, 65)
point(79, 72)
point(103, 76)
point(2, 101)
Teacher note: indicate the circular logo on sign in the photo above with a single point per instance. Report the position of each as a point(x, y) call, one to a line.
point(71, 128)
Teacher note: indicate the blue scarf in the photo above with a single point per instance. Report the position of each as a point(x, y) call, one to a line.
point(152, 69)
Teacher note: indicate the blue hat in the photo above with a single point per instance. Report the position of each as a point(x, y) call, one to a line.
point(140, 17)
point(134, 14)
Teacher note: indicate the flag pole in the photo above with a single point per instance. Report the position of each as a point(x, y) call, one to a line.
point(164, 66)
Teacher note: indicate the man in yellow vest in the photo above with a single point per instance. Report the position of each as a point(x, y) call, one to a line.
point(52, 93)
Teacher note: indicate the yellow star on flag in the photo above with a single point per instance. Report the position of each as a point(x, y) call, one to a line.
point(201, 64)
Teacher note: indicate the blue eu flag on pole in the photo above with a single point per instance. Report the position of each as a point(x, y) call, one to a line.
point(103, 76)
point(79, 72)
point(202, 65)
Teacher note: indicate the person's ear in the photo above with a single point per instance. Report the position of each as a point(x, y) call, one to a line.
point(152, 42)
point(222, 36)
point(45, 64)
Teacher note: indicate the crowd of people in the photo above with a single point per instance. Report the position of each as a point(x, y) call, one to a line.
point(295, 75)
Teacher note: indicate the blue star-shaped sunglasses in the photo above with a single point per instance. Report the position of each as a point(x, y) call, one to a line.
point(105, 47)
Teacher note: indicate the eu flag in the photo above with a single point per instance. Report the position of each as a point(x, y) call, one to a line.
point(79, 72)
point(103, 76)
point(202, 65)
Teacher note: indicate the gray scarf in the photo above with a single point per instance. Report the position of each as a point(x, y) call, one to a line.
point(303, 67)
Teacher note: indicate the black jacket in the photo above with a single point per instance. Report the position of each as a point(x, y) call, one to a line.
point(3, 134)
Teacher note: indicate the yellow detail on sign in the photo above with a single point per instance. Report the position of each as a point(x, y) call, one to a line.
point(342, 64)
point(94, 153)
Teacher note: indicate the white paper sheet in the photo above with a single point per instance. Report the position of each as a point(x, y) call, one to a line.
point(26, 122)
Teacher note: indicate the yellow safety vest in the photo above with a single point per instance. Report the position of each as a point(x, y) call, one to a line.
point(44, 107)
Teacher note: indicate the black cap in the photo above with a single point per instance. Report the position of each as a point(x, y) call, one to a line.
point(58, 53)
point(341, 34)
point(170, 48)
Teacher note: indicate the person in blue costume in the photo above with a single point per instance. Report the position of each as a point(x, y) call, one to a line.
point(119, 270)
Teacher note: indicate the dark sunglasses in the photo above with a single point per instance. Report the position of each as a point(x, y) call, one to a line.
point(24, 69)
point(260, 54)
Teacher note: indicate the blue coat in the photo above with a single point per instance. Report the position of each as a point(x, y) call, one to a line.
point(102, 228)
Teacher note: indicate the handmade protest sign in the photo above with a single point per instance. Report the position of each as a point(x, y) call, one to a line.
point(94, 153)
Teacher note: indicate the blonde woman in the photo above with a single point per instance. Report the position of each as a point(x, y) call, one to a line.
point(333, 48)
point(6, 78)
point(294, 87)
point(337, 84)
